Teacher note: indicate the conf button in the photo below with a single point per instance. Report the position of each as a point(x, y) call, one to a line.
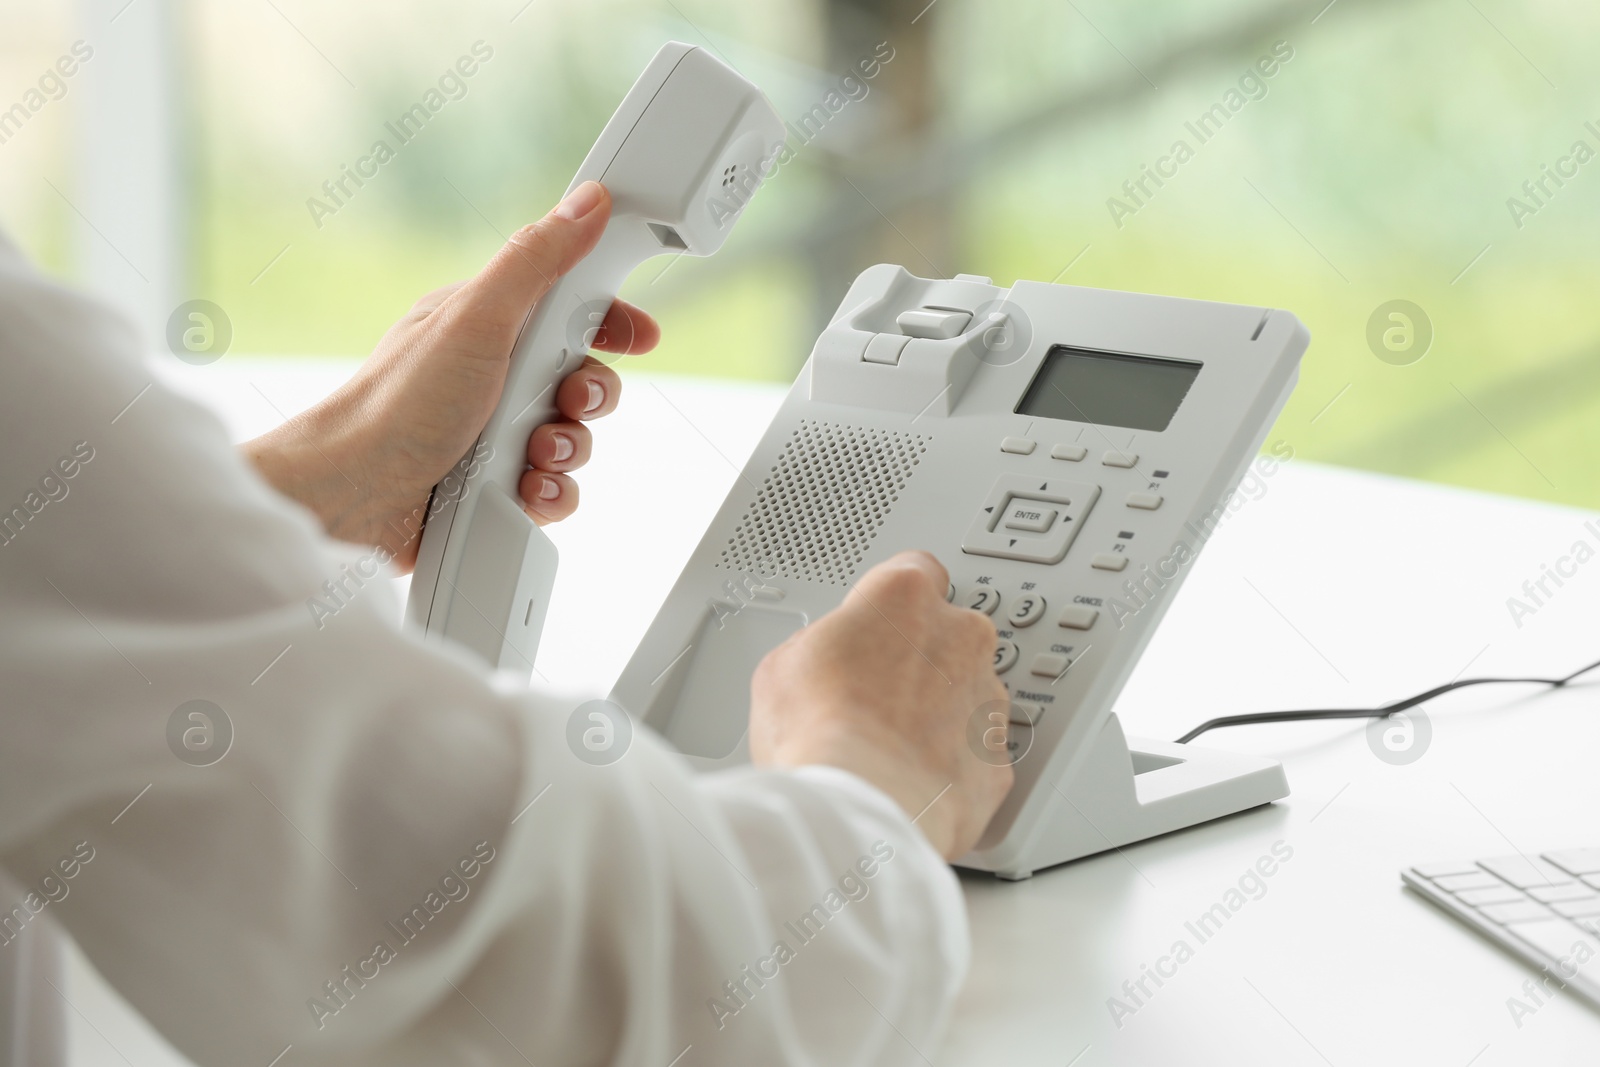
point(1049, 665)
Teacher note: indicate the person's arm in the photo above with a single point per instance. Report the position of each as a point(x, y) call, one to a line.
point(393, 862)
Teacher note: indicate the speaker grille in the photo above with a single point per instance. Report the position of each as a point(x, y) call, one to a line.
point(822, 503)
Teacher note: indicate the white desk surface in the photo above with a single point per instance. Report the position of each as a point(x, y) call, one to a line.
point(1334, 588)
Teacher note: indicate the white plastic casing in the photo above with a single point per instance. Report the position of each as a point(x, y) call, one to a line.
point(892, 440)
point(681, 157)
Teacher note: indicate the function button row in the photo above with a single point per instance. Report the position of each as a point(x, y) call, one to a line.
point(1022, 446)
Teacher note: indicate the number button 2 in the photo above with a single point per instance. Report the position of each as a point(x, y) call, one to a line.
point(982, 598)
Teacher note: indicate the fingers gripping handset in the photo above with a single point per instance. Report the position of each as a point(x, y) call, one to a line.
point(681, 157)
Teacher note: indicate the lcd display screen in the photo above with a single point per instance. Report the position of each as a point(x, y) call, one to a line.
point(1108, 389)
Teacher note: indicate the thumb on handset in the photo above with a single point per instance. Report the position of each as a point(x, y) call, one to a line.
point(535, 256)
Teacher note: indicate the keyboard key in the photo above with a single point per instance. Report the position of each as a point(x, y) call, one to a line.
point(1525, 871)
point(1455, 883)
point(1576, 860)
point(1441, 870)
point(1579, 909)
point(1521, 911)
point(1500, 894)
point(1553, 937)
point(1549, 894)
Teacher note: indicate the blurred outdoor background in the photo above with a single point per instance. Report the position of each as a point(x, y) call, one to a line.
point(1376, 164)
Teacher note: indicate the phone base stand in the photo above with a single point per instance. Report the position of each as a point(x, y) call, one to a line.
point(1130, 789)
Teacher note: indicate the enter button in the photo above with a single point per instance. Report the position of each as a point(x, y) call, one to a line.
point(1030, 518)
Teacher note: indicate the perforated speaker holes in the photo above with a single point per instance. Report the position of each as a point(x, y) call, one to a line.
point(823, 502)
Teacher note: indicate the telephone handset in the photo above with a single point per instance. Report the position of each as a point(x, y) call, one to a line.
point(681, 157)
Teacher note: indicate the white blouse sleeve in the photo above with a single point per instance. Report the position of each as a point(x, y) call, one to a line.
point(393, 860)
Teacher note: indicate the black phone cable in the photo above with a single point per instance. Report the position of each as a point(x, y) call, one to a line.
point(1372, 713)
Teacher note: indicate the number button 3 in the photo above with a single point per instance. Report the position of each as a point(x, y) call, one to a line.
point(1027, 611)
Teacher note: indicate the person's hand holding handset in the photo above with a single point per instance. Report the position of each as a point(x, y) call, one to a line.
point(366, 458)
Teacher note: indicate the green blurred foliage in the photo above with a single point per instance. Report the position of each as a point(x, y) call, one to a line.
point(1377, 166)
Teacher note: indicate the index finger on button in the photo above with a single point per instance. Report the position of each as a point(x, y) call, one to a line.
point(927, 563)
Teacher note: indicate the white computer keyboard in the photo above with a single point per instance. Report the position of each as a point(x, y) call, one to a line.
point(1544, 908)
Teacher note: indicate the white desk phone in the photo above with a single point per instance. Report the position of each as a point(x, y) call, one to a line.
point(1054, 446)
